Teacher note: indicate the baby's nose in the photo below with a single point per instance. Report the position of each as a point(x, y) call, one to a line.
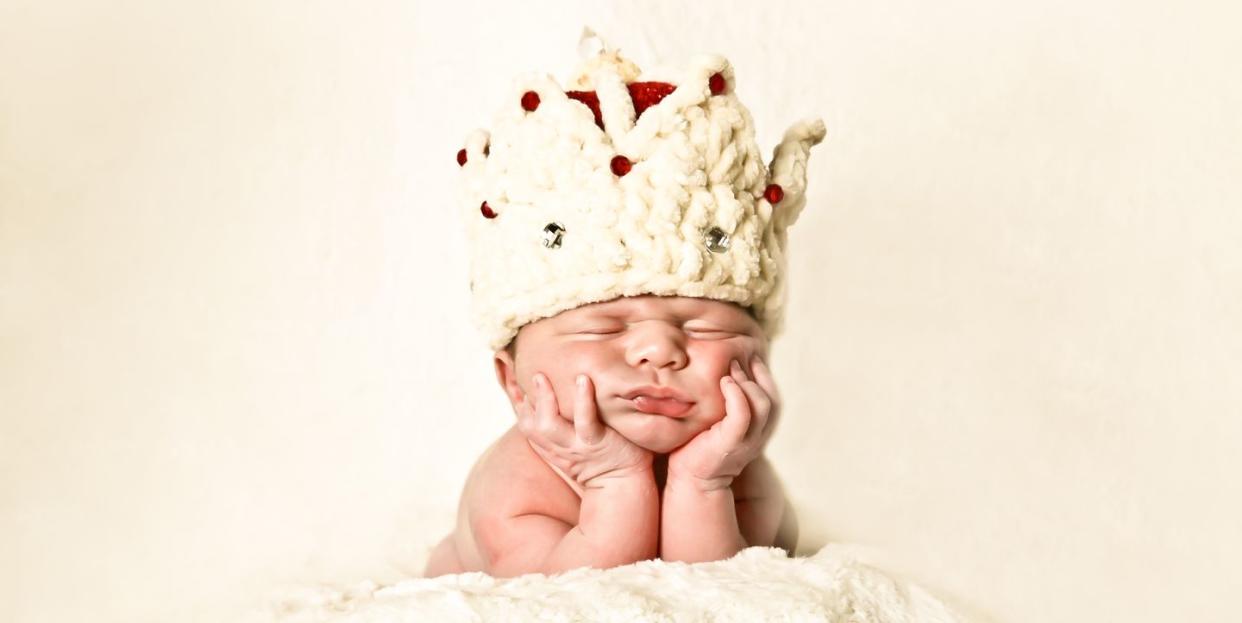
point(658, 347)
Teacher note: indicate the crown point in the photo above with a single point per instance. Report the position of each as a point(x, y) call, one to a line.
point(461, 157)
point(530, 100)
point(716, 83)
point(773, 193)
point(620, 165)
point(487, 211)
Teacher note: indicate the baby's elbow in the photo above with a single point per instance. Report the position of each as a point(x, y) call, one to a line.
point(515, 563)
point(513, 546)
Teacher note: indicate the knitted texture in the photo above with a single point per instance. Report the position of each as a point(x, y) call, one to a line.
point(555, 222)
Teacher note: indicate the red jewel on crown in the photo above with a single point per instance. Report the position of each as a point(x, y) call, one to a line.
point(620, 165)
point(530, 100)
point(773, 193)
point(487, 210)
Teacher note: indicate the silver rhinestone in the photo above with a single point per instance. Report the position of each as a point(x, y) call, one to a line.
point(717, 241)
point(552, 234)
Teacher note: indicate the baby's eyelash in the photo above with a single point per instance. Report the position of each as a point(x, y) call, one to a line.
point(703, 332)
point(716, 332)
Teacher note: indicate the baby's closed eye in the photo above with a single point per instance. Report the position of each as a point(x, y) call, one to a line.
point(705, 333)
point(712, 335)
point(601, 329)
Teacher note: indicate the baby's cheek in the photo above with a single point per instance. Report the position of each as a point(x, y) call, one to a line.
point(713, 355)
point(712, 406)
point(585, 360)
point(745, 355)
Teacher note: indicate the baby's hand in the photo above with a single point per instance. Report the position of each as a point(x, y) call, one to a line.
point(717, 455)
point(587, 450)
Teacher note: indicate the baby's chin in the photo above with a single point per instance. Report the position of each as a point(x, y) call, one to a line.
point(656, 433)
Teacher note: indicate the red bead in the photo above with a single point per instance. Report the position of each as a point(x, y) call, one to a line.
point(773, 193)
point(716, 83)
point(487, 211)
point(620, 165)
point(461, 157)
point(530, 100)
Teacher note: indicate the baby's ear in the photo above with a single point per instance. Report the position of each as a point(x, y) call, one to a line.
point(506, 375)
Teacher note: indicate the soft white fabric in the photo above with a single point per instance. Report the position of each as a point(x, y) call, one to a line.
point(758, 584)
point(696, 169)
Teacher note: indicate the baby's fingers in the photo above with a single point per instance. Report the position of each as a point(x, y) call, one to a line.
point(546, 421)
point(737, 413)
point(763, 376)
point(760, 402)
point(586, 419)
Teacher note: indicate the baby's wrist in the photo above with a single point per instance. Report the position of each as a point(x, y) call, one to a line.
point(642, 472)
point(683, 480)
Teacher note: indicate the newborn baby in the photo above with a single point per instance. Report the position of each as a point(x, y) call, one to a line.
point(627, 257)
point(641, 425)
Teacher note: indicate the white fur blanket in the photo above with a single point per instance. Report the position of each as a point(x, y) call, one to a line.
point(758, 584)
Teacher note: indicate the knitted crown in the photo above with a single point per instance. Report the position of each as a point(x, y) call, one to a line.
point(630, 183)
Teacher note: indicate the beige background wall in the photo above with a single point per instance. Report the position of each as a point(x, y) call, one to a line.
point(233, 351)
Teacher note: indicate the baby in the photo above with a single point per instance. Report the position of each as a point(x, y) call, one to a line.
point(629, 307)
point(639, 435)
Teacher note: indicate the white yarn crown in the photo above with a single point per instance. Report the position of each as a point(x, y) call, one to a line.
point(627, 184)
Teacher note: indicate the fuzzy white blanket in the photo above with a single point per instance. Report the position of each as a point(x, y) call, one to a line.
point(758, 584)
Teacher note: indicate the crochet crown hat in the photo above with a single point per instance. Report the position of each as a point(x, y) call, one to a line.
point(627, 183)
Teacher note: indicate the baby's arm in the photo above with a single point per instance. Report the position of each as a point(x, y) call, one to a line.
point(765, 516)
point(619, 517)
point(703, 523)
point(618, 524)
point(721, 494)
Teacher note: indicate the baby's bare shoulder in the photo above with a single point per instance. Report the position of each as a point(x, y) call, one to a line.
point(510, 480)
point(502, 483)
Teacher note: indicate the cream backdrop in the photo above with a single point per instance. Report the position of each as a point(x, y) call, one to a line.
point(233, 345)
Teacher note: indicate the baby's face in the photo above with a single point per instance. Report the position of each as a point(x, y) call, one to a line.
point(678, 343)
